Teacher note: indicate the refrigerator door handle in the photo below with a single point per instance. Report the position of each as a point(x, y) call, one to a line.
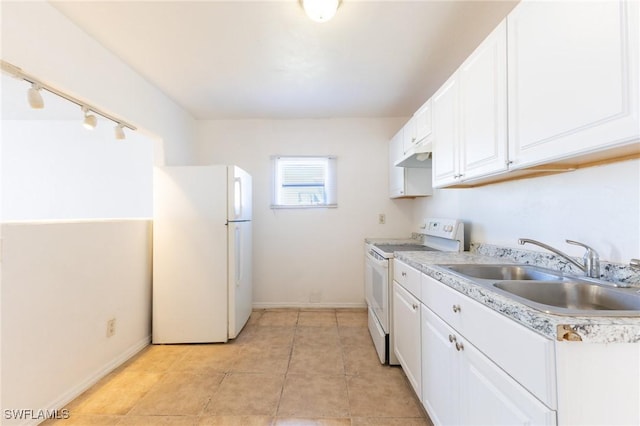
point(237, 193)
point(238, 255)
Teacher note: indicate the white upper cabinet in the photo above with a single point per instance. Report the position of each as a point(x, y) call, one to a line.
point(422, 119)
point(445, 134)
point(470, 116)
point(573, 79)
point(418, 128)
point(406, 182)
point(410, 137)
point(483, 107)
point(555, 85)
point(396, 174)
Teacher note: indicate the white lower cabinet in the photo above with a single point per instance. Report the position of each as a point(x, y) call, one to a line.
point(471, 365)
point(440, 372)
point(406, 329)
point(461, 386)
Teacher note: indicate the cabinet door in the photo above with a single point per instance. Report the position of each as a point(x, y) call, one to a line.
point(396, 174)
point(573, 78)
point(422, 119)
point(409, 135)
point(406, 329)
point(445, 134)
point(489, 396)
point(440, 372)
point(483, 107)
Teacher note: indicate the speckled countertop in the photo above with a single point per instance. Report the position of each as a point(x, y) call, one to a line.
point(593, 329)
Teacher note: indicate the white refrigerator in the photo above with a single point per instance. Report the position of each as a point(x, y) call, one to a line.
point(202, 281)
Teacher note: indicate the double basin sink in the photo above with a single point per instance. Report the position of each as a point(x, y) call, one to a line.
point(551, 291)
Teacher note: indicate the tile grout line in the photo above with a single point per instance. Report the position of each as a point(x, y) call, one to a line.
point(157, 383)
point(286, 372)
point(344, 368)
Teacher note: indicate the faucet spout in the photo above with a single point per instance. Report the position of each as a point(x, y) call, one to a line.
point(591, 265)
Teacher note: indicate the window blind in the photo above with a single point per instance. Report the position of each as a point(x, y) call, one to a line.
point(304, 181)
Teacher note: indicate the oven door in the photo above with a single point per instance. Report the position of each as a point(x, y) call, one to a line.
point(377, 287)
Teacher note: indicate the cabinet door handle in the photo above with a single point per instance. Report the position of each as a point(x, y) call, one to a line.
point(404, 274)
point(459, 346)
point(452, 338)
point(414, 306)
point(456, 308)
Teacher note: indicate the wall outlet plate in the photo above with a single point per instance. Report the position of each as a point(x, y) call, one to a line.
point(111, 327)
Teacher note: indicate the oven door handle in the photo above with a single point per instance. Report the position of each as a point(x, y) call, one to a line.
point(380, 263)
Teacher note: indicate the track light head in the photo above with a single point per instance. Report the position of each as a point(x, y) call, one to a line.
point(35, 97)
point(90, 121)
point(119, 132)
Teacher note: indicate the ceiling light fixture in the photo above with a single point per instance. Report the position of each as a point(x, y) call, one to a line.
point(35, 97)
point(90, 121)
point(119, 132)
point(320, 10)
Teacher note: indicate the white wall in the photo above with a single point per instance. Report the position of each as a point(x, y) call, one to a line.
point(599, 206)
point(44, 43)
point(61, 283)
point(303, 254)
point(59, 170)
point(68, 278)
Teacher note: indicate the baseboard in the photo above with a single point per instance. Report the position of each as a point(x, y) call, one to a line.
point(273, 305)
point(77, 390)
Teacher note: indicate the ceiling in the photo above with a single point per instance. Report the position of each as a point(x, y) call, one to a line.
point(266, 59)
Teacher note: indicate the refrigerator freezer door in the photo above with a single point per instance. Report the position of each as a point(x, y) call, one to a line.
point(190, 255)
point(239, 204)
point(240, 278)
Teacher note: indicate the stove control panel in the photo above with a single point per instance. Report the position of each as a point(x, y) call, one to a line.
point(451, 229)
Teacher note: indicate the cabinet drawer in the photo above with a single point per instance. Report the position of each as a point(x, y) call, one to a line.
point(443, 300)
point(407, 277)
point(524, 354)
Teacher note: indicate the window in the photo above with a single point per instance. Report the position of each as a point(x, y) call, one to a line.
point(300, 182)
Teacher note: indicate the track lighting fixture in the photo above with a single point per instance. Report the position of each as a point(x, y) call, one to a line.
point(90, 121)
point(119, 132)
point(34, 97)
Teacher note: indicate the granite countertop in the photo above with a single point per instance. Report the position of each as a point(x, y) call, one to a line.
point(593, 329)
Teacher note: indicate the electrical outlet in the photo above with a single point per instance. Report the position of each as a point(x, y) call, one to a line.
point(382, 219)
point(111, 327)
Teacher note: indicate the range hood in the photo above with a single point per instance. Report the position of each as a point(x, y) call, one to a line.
point(417, 156)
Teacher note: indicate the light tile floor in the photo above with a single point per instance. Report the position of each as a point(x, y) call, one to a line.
point(287, 367)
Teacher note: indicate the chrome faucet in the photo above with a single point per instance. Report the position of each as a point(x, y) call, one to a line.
point(591, 265)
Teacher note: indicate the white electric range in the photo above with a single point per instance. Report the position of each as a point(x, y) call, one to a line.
point(436, 234)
